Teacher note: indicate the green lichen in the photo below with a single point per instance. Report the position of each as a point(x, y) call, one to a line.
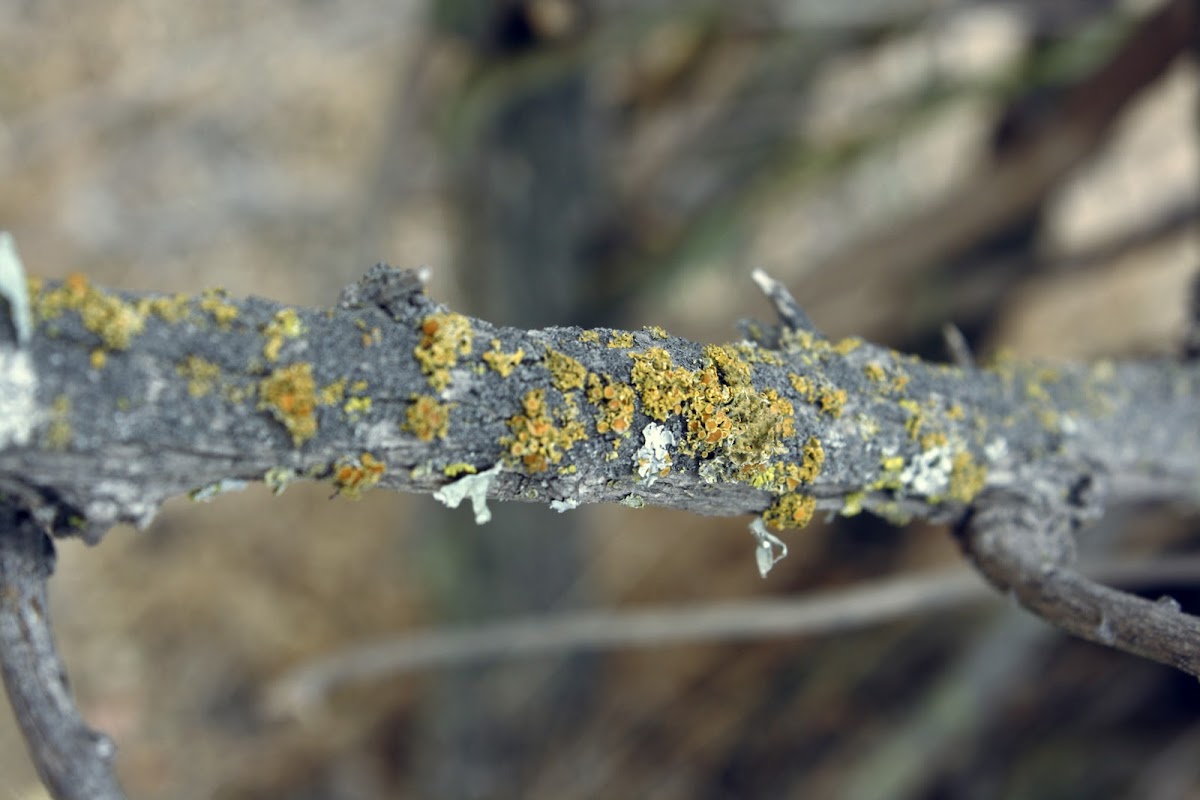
point(290, 394)
point(444, 338)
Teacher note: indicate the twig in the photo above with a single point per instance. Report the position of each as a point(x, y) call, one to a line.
point(303, 689)
point(73, 760)
point(1021, 543)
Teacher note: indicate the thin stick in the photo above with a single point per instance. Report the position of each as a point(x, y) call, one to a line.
point(74, 761)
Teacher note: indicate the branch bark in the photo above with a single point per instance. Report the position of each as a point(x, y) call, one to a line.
point(72, 760)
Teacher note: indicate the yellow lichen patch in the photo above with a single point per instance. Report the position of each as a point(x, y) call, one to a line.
point(875, 372)
point(353, 476)
point(967, 478)
point(616, 404)
point(955, 412)
point(213, 302)
point(734, 370)
point(168, 309)
point(115, 321)
point(427, 419)
point(290, 394)
point(589, 337)
point(814, 460)
point(656, 332)
point(58, 433)
point(565, 372)
point(332, 394)
point(503, 363)
point(354, 407)
point(663, 387)
point(284, 325)
point(444, 337)
point(358, 387)
point(98, 358)
point(829, 400)
point(915, 418)
point(792, 510)
point(932, 440)
point(371, 335)
point(458, 468)
point(201, 375)
point(847, 345)
point(536, 441)
point(621, 340)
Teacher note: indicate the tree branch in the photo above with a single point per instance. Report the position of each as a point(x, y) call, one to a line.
point(73, 760)
point(1021, 542)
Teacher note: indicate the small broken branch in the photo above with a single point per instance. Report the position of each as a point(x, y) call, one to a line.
point(72, 760)
point(1021, 542)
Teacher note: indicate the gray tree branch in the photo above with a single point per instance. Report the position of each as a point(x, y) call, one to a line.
point(73, 760)
point(114, 401)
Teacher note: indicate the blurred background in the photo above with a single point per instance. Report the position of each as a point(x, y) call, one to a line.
point(1027, 171)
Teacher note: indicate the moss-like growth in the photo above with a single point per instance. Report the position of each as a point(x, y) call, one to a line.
point(444, 338)
point(536, 441)
point(290, 394)
point(503, 363)
point(565, 372)
point(427, 419)
point(202, 375)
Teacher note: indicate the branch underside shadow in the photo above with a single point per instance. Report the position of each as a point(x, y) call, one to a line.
point(72, 760)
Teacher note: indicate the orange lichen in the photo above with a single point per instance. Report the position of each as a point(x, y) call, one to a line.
point(536, 441)
point(615, 401)
point(427, 419)
point(289, 393)
point(792, 510)
point(353, 476)
point(503, 363)
point(444, 338)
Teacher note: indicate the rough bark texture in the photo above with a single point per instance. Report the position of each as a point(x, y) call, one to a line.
point(103, 423)
point(118, 401)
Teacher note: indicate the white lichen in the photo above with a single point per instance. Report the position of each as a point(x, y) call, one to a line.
point(769, 549)
point(14, 288)
point(474, 487)
point(653, 459)
point(564, 505)
point(928, 474)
